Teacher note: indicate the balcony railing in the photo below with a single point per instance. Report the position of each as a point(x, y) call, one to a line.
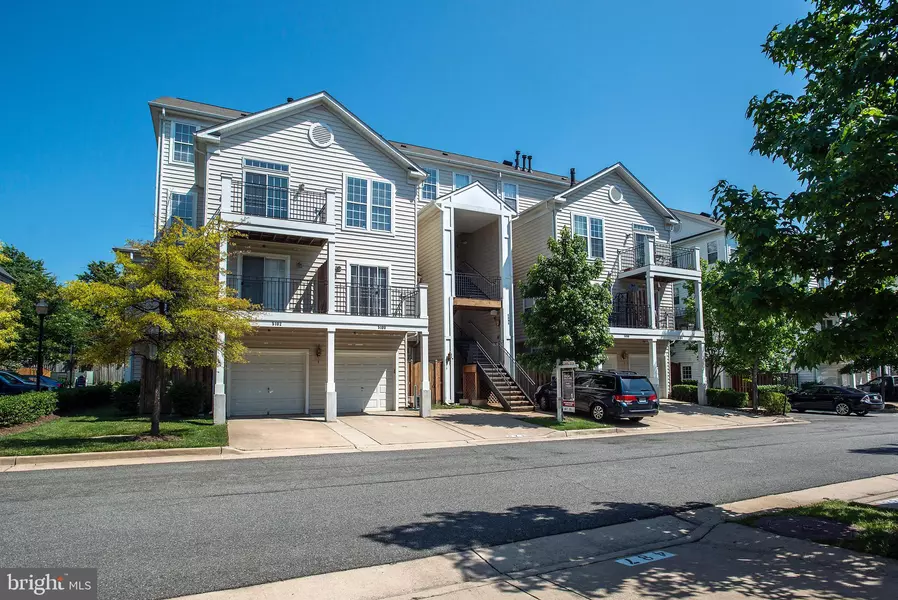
point(636, 316)
point(475, 285)
point(684, 319)
point(291, 204)
point(278, 294)
point(666, 255)
point(377, 301)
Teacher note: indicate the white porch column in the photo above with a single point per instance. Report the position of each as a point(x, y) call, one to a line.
point(650, 299)
point(219, 399)
point(653, 365)
point(330, 197)
point(330, 407)
point(699, 307)
point(424, 408)
point(854, 380)
point(701, 376)
point(332, 278)
point(226, 195)
point(649, 250)
point(507, 279)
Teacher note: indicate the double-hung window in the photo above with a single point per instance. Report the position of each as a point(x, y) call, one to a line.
point(686, 372)
point(182, 207)
point(368, 291)
point(182, 142)
point(369, 204)
point(510, 195)
point(712, 252)
point(592, 230)
point(460, 180)
point(430, 188)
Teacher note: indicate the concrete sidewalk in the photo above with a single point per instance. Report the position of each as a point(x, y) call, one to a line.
point(397, 430)
point(694, 554)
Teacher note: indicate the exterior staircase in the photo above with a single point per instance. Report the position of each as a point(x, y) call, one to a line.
point(501, 383)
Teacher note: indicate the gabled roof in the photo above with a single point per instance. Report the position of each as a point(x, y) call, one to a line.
point(703, 218)
point(200, 108)
point(5, 277)
point(473, 162)
point(214, 133)
point(622, 171)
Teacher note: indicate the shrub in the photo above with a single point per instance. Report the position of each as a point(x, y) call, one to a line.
point(684, 393)
point(727, 398)
point(126, 397)
point(689, 382)
point(27, 407)
point(782, 389)
point(77, 399)
point(772, 402)
point(187, 397)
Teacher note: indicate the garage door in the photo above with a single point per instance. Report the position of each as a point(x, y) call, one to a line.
point(610, 362)
point(640, 363)
point(269, 383)
point(364, 382)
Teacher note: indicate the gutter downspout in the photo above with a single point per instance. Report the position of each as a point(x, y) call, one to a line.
point(159, 140)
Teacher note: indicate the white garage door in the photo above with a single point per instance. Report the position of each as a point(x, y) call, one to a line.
point(610, 362)
point(269, 383)
point(640, 363)
point(364, 382)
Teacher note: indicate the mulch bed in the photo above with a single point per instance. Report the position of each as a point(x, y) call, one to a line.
point(26, 426)
point(814, 529)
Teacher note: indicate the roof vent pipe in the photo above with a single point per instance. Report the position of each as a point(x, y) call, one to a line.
point(530, 163)
point(573, 176)
point(517, 157)
point(289, 99)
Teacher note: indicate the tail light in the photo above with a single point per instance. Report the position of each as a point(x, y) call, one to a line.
point(653, 397)
point(625, 398)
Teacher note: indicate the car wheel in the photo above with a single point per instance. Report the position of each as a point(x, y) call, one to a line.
point(861, 413)
point(598, 412)
point(635, 419)
point(843, 409)
point(544, 404)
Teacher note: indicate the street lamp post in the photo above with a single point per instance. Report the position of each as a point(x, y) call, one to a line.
point(41, 307)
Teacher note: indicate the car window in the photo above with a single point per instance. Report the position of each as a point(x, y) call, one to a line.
point(4, 378)
point(875, 382)
point(605, 382)
point(636, 385)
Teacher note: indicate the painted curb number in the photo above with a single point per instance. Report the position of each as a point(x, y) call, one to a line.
point(639, 559)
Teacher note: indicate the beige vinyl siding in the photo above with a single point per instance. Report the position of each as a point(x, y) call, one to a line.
point(175, 177)
point(530, 233)
point(311, 339)
point(303, 261)
point(286, 141)
point(529, 192)
point(481, 250)
point(430, 266)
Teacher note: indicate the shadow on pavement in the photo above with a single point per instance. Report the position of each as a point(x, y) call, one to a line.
point(882, 450)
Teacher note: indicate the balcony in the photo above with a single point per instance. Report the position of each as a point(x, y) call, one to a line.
point(666, 261)
point(633, 315)
point(294, 211)
point(473, 290)
point(310, 297)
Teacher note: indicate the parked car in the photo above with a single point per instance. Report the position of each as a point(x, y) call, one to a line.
point(890, 394)
point(10, 384)
point(50, 383)
point(607, 394)
point(842, 400)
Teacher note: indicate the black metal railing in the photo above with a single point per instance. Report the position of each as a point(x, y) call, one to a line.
point(292, 204)
point(629, 314)
point(377, 301)
point(684, 319)
point(475, 285)
point(666, 255)
point(278, 294)
point(500, 357)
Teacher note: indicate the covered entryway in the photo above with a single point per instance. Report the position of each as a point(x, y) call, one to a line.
point(640, 363)
point(271, 382)
point(365, 381)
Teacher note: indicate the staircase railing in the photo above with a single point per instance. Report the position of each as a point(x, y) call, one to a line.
point(470, 283)
point(500, 357)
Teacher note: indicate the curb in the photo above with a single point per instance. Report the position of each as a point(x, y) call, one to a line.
point(37, 459)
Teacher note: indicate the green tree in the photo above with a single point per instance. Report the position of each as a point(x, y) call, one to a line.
point(10, 324)
point(570, 315)
point(839, 137)
point(715, 346)
point(64, 325)
point(753, 340)
point(170, 301)
point(100, 270)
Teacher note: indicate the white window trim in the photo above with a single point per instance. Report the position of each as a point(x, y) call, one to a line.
point(248, 169)
point(470, 178)
point(517, 193)
point(683, 374)
point(370, 205)
point(437, 183)
point(192, 194)
point(284, 257)
point(589, 234)
point(171, 142)
point(636, 231)
point(716, 250)
point(369, 263)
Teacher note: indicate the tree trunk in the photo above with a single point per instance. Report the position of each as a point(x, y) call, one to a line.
point(157, 398)
point(755, 404)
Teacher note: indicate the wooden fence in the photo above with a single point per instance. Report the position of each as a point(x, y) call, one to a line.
point(435, 370)
point(742, 383)
point(205, 375)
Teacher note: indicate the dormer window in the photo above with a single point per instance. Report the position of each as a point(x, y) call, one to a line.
point(182, 142)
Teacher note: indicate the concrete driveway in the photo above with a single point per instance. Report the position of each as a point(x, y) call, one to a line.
point(283, 433)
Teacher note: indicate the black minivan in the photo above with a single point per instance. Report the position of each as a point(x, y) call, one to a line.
point(607, 394)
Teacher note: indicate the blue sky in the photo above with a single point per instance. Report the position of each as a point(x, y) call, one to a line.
point(661, 86)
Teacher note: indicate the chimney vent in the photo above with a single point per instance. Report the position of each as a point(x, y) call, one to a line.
point(517, 157)
point(530, 163)
point(573, 176)
point(289, 99)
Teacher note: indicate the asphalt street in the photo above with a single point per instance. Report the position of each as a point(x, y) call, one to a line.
point(163, 530)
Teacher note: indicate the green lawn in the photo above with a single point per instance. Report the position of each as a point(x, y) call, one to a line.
point(878, 526)
point(78, 434)
point(570, 423)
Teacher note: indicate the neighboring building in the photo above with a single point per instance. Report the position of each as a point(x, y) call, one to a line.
point(5, 277)
point(365, 253)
